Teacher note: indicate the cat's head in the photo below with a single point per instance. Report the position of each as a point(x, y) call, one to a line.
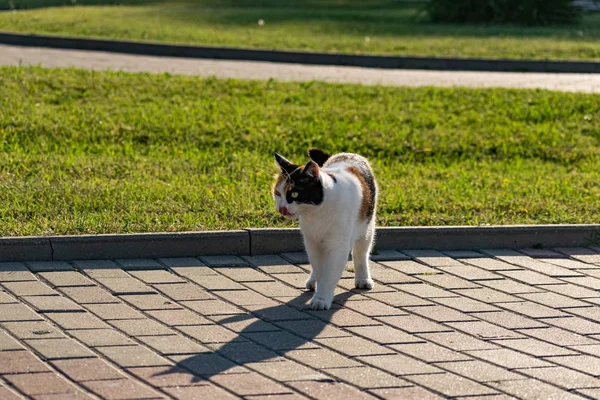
point(297, 187)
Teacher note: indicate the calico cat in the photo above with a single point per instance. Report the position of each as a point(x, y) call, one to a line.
point(334, 198)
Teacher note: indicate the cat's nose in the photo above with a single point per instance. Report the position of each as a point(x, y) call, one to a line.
point(283, 211)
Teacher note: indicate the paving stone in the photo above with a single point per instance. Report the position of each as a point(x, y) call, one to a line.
point(39, 266)
point(272, 289)
point(399, 364)
point(539, 266)
point(207, 364)
point(297, 281)
point(245, 352)
point(591, 272)
point(593, 349)
point(354, 346)
point(530, 389)
point(413, 392)
point(569, 263)
point(533, 310)
point(432, 257)
point(373, 308)
point(312, 329)
point(490, 264)
point(156, 276)
point(575, 324)
point(452, 385)
point(181, 262)
point(330, 390)
point(271, 264)
point(121, 389)
point(459, 254)
point(441, 314)
point(470, 272)
point(218, 282)
point(114, 311)
point(583, 254)
point(430, 352)
point(554, 300)
point(593, 393)
point(132, 356)
point(66, 278)
point(592, 313)
point(20, 362)
point(40, 383)
point(249, 384)
point(172, 345)
point(89, 295)
point(414, 324)
point(100, 268)
point(223, 261)
point(388, 255)
point(367, 377)
point(183, 291)
point(588, 282)
point(15, 271)
point(458, 341)
point(279, 313)
point(343, 317)
point(571, 290)
point(244, 323)
point(141, 327)
point(5, 298)
point(480, 371)
point(390, 276)
point(530, 277)
point(76, 320)
point(564, 377)
point(122, 286)
point(399, 299)
point(535, 347)
point(299, 257)
point(510, 286)
point(147, 302)
point(139, 263)
point(178, 317)
point(44, 304)
point(212, 307)
point(101, 337)
point(467, 305)
point(410, 267)
point(32, 330)
point(6, 394)
point(540, 253)
point(200, 392)
point(58, 348)
point(210, 333)
point(484, 330)
point(286, 371)
point(449, 282)
point(383, 334)
point(76, 394)
point(510, 320)
point(167, 376)
point(559, 337)
point(17, 312)
point(87, 369)
point(245, 274)
point(279, 340)
point(8, 343)
point(508, 358)
point(425, 290)
point(321, 358)
point(29, 288)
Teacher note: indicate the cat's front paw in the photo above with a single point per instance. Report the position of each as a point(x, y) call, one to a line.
point(317, 303)
point(363, 283)
point(311, 284)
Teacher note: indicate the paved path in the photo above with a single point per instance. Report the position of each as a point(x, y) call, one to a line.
point(480, 325)
point(13, 55)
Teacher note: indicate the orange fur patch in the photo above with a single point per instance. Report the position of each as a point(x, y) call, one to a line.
point(366, 192)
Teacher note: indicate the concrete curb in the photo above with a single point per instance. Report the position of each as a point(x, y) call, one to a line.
point(367, 61)
point(250, 242)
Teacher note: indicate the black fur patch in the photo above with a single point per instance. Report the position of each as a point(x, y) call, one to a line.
point(304, 189)
point(318, 156)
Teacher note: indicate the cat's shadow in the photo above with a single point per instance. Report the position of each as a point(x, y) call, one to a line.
point(294, 332)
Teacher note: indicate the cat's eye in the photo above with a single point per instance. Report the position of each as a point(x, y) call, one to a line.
point(277, 193)
point(294, 195)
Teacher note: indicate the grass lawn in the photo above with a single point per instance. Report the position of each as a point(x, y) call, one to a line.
point(348, 26)
point(99, 152)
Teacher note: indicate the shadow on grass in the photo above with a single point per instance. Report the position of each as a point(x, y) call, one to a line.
point(301, 328)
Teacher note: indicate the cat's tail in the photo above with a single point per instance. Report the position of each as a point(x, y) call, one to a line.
point(318, 156)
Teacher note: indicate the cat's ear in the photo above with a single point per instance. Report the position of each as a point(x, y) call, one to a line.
point(312, 169)
point(285, 165)
point(318, 156)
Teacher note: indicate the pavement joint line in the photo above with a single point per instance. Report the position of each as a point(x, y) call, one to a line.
point(298, 57)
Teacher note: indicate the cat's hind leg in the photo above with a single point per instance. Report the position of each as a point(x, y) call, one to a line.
point(360, 257)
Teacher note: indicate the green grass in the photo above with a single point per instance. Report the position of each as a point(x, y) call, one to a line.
point(348, 26)
point(100, 152)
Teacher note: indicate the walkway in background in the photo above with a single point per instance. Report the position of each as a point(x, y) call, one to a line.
point(491, 324)
point(14, 55)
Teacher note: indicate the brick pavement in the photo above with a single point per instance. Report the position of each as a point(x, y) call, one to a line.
point(487, 324)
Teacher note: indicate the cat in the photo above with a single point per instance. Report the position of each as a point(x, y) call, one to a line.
point(334, 198)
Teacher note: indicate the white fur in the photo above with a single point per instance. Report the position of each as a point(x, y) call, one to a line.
point(331, 230)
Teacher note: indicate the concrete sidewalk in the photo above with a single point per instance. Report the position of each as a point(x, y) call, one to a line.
point(487, 324)
point(46, 57)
